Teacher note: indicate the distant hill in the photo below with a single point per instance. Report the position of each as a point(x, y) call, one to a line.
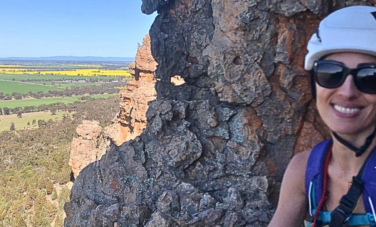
point(70, 58)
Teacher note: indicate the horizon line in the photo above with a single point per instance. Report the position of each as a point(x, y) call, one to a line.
point(69, 56)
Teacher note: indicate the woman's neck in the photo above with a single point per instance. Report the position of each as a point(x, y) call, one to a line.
point(345, 160)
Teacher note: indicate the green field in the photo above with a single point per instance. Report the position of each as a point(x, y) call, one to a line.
point(36, 102)
point(48, 77)
point(21, 123)
point(64, 85)
point(8, 87)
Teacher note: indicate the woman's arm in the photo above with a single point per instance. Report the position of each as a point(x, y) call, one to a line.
point(292, 203)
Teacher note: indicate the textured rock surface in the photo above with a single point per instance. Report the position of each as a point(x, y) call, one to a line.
point(88, 146)
point(215, 148)
point(93, 141)
point(134, 99)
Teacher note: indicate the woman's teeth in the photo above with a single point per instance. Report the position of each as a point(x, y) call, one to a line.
point(346, 110)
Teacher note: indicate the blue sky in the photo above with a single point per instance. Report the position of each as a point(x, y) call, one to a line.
point(42, 28)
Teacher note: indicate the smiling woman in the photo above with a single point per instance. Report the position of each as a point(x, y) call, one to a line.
point(345, 109)
point(334, 181)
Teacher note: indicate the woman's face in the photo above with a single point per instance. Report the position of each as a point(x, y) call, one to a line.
point(345, 109)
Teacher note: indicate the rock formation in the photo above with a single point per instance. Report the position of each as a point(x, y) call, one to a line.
point(134, 99)
point(93, 141)
point(215, 148)
point(87, 147)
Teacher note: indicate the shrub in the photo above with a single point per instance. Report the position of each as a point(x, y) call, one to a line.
point(12, 127)
point(39, 218)
point(50, 211)
point(19, 221)
point(49, 187)
point(54, 194)
point(59, 221)
point(63, 197)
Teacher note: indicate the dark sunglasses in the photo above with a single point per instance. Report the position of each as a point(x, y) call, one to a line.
point(332, 74)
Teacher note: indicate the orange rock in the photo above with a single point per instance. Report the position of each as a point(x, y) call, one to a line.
point(134, 99)
point(85, 148)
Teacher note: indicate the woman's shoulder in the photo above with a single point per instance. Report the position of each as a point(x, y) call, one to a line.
point(299, 160)
point(296, 170)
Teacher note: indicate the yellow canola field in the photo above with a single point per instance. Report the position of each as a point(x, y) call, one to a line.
point(72, 72)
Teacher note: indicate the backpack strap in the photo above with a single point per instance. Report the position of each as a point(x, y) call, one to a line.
point(314, 173)
point(341, 214)
point(348, 202)
point(369, 182)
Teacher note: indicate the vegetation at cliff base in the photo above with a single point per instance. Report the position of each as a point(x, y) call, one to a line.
point(41, 105)
point(35, 169)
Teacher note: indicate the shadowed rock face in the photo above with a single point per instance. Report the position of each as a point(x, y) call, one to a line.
point(215, 148)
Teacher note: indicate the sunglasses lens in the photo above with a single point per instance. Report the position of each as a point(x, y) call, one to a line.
point(366, 80)
point(329, 75)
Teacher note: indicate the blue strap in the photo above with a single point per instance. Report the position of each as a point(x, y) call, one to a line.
point(314, 176)
point(355, 219)
point(369, 180)
point(315, 168)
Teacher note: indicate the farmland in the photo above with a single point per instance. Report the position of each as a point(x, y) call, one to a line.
point(8, 87)
point(68, 69)
point(24, 77)
point(46, 101)
point(41, 105)
point(27, 118)
point(35, 83)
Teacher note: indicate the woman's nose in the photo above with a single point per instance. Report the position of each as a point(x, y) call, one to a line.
point(348, 88)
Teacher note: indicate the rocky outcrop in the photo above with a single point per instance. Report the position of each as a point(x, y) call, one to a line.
point(92, 141)
point(88, 147)
point(134, 98)
point(215, 148)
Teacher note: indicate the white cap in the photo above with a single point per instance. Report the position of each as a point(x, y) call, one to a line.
point(351, 29)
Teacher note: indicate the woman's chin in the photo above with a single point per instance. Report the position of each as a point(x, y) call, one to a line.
point(350, 130)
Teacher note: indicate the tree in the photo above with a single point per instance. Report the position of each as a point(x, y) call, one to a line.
point(53, 111)
point(41, 123)
point(29, 109)
point(19, 114)
point(18, 96)
point(34, 122)
point(12, 127)
point(6, 111)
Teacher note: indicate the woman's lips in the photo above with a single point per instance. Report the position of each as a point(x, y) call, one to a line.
point(347, 112)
